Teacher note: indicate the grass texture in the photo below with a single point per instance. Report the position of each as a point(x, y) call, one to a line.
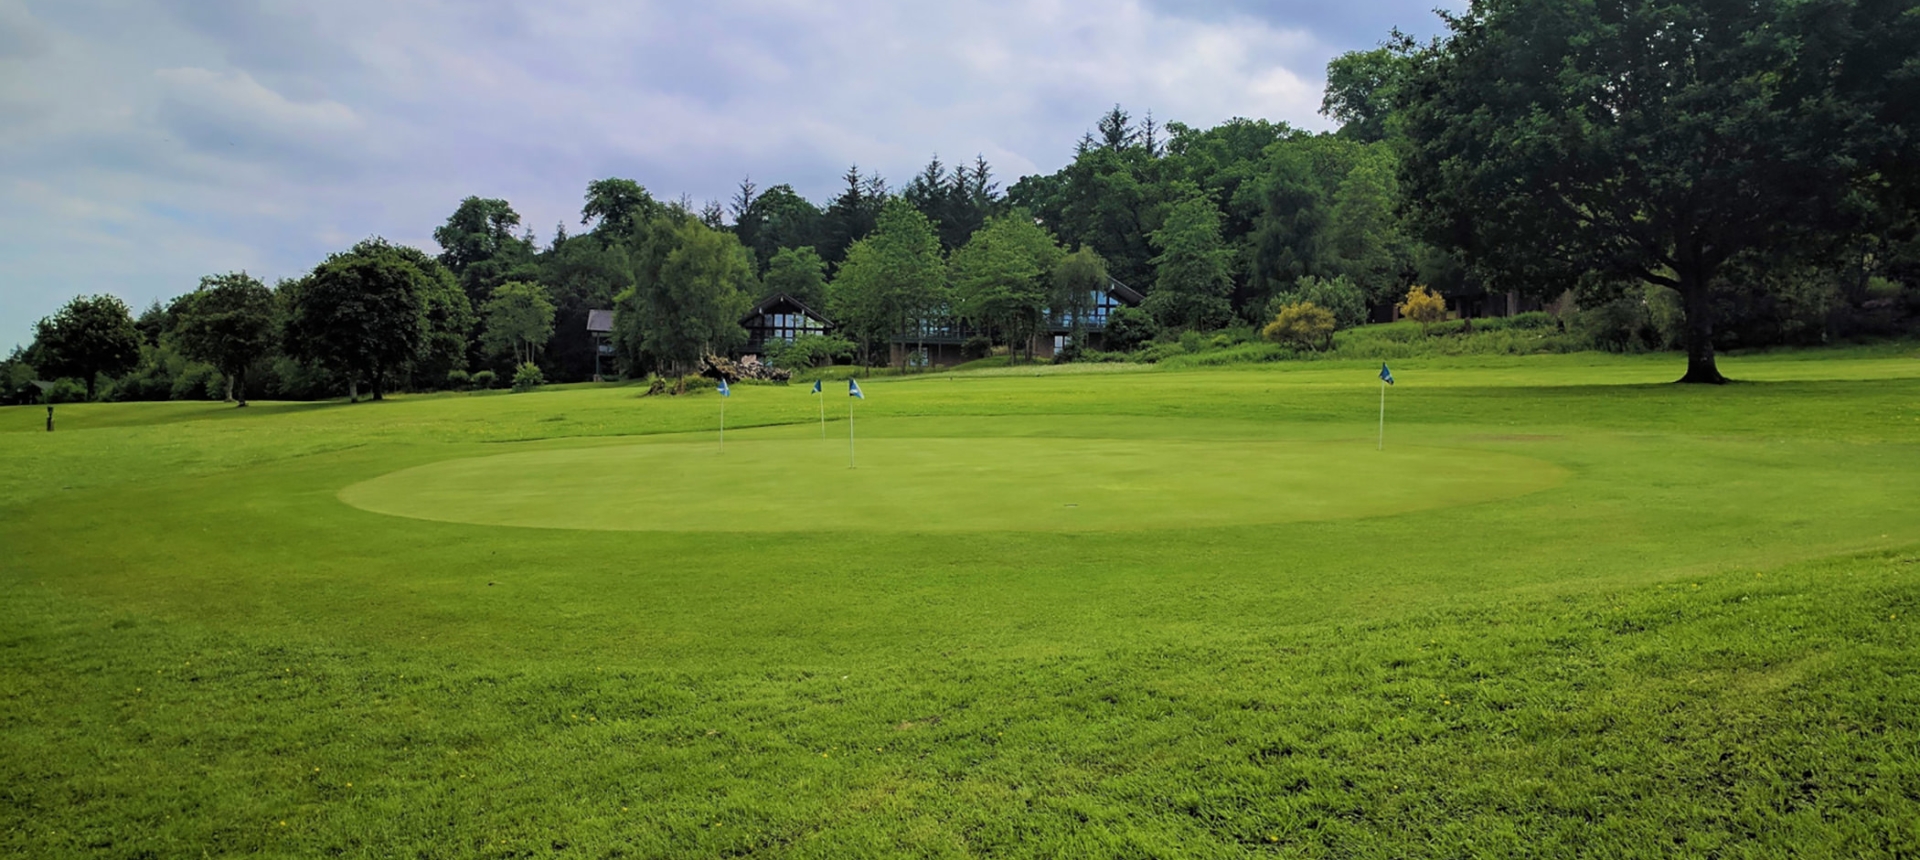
point(1571, 611)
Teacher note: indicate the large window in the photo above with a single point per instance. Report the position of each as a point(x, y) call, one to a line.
point(788, 326)
point(1102, 304)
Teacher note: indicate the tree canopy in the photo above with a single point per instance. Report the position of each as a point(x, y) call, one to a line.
point(229, 322)
point(1638, 140)
point(361, 313)
point(90, 336)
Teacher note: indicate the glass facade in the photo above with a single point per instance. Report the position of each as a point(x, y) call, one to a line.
point(783, 326)
point(1103, 303)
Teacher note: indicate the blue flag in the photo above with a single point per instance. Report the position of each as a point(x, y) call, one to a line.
point(816, 386)
point(724, 390)
point(853, 389)
point(1386, 375)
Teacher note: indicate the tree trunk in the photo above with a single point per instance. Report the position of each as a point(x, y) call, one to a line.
point(378, 383)
point(1700, 363)
point(353, 389)
point(229, 396)
point(237, 386)
point(91, 378)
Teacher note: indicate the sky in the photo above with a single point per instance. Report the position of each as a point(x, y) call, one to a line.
point(146, 143)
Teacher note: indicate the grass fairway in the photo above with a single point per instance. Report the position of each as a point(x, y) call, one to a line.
point(1571, 611)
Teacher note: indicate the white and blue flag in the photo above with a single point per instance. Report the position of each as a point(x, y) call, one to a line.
point(816, 386)
point(853, 389)
point(724, 390)
point(1386, 375)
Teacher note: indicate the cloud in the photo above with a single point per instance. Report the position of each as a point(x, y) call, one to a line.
point(144, 143)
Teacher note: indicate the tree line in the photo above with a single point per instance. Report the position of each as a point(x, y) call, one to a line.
point(1747, 169)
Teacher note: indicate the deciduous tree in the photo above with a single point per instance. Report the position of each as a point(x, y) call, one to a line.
point(519, 318)
point(90, 336)
point(228, 323)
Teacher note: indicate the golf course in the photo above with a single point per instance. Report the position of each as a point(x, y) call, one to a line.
point(1560, 607)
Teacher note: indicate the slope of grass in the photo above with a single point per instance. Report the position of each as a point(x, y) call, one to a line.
point(1699, 643)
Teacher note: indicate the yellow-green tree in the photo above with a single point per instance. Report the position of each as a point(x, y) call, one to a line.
point(1302, 324)
point(1423, 306)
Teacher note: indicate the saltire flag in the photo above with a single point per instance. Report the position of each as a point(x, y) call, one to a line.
point(724, 390)
point(853, 389)
point(1386, 375)
point(816, 387)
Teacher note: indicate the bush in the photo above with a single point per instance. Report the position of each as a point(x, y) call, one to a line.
point(528, 377)
point(1158, 351)
point(1346, 301)
point(1302, 324)
point(1424, 306)
point(1070, 352)
point(482, 380)
point(457, 379)
point(808, 351)
point(976, 348)
point(1128, 328)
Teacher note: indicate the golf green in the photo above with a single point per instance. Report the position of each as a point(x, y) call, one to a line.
point(947, 484)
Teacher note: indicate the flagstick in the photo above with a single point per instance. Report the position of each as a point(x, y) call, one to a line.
point(850, 432)
point(823, 414)
point(723, 423)
point(1383, 417)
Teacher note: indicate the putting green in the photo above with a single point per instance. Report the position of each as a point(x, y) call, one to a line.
point(940, 484)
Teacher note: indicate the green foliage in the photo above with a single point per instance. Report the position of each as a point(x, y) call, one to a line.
point(230, 323)
point(1301, 324)
point(519, 320)
point(1004, 276)
point(458, 379)
point(88, 337)
point(527, 377)
point(1078, 279)
point(483, 379)
point(890, 279)
point(1128, 328)
point(778, 218)
point(692, 284)
point(621, 208)
point(1192, 274)
point(361, 313)
point(1337, 295)
point(480, 249)
point(808, 351)
point(1365, 89)
point(1650, 141)
point(800, 273)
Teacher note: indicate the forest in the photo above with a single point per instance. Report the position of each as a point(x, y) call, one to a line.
point(1636, 176)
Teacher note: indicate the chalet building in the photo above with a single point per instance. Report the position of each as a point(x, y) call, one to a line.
point(600, 328)
point(779, 318)
point(937, 342)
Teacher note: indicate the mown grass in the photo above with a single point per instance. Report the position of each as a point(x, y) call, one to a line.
point(1699, 644)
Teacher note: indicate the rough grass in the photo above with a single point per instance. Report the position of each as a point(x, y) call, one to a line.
point(1699, 644)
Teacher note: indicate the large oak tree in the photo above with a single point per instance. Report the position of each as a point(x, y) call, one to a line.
point(1552, 141)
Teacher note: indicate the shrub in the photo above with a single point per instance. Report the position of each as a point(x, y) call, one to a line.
point(1158, 351)
point(1341, 296)
point(1424, 306)
point(457, 379)
point(1070, 352)
point(1128, 328)
point(528, 377)
point(976, 347)
point(808, 350)
point(1302, 324)
point(482, 380)
point(1192, 341)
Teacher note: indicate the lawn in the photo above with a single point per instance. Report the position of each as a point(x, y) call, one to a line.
point(1569, 611)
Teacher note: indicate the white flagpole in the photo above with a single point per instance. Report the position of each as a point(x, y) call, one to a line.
point(822, 394)
point(723, 423)
point(1382, 446)
point(850, 432)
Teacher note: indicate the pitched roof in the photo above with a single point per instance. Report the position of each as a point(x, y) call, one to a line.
point(777, 299)
point(599, 322)
point(1124, 293)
